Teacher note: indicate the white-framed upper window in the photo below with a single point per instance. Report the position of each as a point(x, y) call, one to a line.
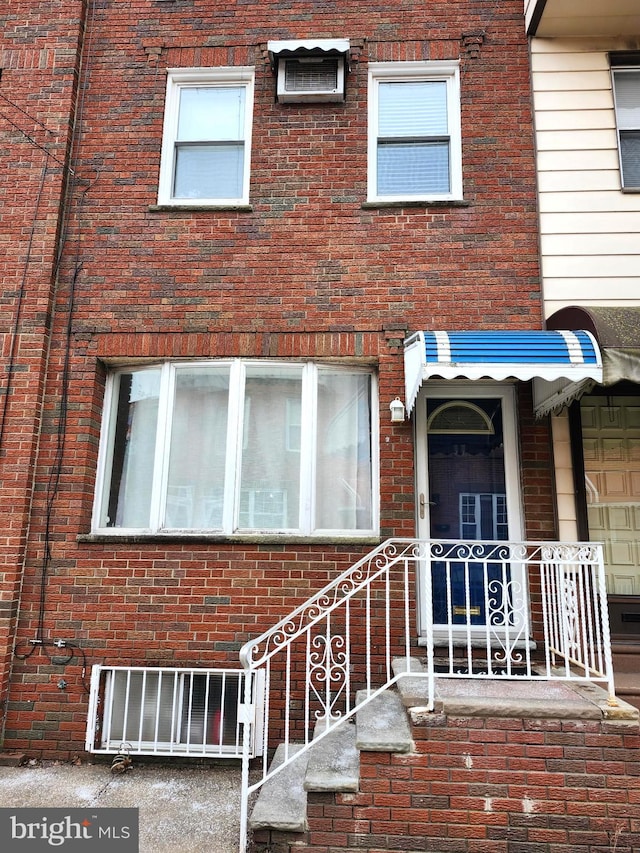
point(414, 131)
point(626, 89)
point(182, 451)
point(206, 144)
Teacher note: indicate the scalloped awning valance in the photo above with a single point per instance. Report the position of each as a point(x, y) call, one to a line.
point(567, 360)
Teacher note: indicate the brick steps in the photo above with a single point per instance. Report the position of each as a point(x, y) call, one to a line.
point(382, 725)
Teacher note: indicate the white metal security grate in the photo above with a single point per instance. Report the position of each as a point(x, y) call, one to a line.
point(172, 711)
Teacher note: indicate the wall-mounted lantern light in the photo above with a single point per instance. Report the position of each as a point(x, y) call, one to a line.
point(397, 411)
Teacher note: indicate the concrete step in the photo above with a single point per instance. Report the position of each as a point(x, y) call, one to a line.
point(382, 724)
point(334, 762)
point(414, 692)
point(331, 764)
point(282, 802)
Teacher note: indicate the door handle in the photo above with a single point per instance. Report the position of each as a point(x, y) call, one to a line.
point(422, 502)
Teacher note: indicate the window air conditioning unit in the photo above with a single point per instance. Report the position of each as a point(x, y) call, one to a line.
point(310, 79)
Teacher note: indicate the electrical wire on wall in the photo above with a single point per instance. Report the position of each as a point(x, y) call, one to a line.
point(15, 329)
point(61, 652)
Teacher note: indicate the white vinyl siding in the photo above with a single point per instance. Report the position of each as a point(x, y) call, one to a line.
point(589, 227)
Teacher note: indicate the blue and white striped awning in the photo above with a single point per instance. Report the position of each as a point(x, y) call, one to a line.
point(564, 362)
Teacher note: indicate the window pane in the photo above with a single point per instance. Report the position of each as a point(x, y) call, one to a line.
point(630, 154)
point(148, 717)
point(127, 496)
point(211, 113)
point(627, 85)
point(343, 458)
point(467, 481)
point(196, 482)
point(270, 471)
point(413, 168)
point(209, 171)
point(412, 109)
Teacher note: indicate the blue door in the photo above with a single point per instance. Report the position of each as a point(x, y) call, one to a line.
point(467, 503)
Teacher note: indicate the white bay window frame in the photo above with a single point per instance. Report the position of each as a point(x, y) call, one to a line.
point(179, 80)
point(447, 72)
point(233, 488)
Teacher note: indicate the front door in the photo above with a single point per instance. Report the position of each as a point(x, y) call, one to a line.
point(468, 491)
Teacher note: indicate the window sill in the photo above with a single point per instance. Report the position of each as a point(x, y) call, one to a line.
point(169, 208)
point(423, 203)
point(244, 539)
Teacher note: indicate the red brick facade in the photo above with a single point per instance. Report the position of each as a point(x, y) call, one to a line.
point(40, 58)
point(486, 785)
point(309, 271)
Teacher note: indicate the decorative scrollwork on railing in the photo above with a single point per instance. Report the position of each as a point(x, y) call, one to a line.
point(478, 551)
point(348, 584)
point(585, 553)
point(507, 620)
point(327, 664)
point(506, 602)
point(571, 614)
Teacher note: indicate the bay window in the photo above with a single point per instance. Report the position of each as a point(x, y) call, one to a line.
point(238, 446)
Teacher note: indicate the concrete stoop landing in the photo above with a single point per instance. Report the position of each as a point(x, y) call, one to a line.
point(382, 725)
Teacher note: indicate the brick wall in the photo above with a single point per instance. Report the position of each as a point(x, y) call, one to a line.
point(309, 271)
point(39, 58)
point(477, 785)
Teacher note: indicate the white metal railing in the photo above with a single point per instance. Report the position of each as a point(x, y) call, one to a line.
point(171, 711)
point(530, 610)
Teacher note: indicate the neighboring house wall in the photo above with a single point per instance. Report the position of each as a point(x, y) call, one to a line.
point(589, 229)
point(590, 257)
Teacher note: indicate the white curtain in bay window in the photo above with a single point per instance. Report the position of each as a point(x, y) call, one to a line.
point(343, 454)
point(134, 448)
point(196, 481)
point(270, 470)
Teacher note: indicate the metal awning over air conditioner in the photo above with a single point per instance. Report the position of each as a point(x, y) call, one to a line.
point(309, 70)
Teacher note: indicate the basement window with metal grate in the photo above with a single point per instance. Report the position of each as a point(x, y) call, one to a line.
point(165, 711)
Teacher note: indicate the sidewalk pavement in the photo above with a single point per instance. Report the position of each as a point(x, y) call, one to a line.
point(182, 809)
